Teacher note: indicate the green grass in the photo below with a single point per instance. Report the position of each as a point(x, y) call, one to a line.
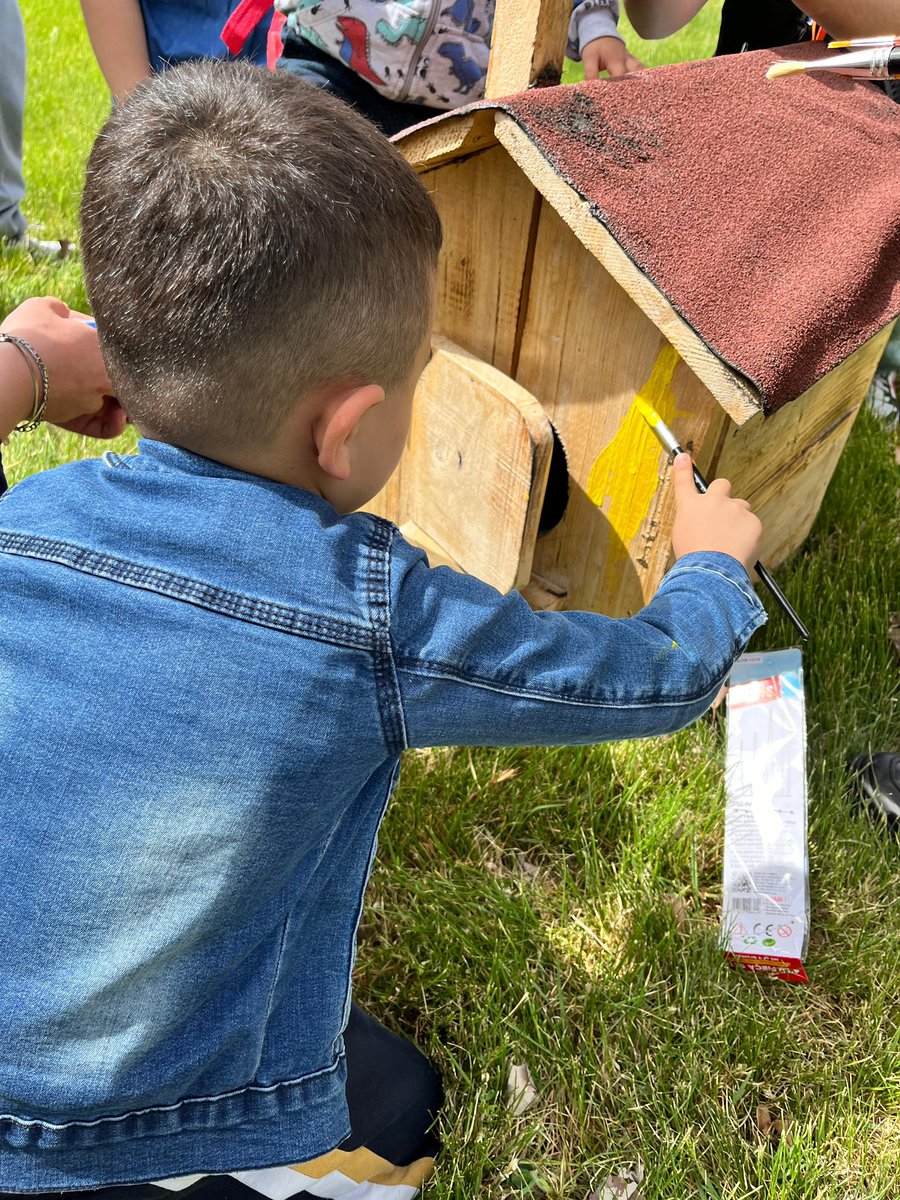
point(524, 903)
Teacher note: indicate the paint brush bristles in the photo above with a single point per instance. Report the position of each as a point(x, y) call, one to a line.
point(878, 62)
point(784, 68)
point(887, 39)
point(647, 411)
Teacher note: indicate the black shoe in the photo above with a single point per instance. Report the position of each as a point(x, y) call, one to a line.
point(876, 778)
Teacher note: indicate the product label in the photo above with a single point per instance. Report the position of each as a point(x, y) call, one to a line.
point(765, 903)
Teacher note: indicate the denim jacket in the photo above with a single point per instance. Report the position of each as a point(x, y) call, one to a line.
point(208, 679)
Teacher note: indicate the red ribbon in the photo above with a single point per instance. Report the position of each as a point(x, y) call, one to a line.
point(242, 22)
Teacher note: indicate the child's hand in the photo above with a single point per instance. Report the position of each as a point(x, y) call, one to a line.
point(607, 54)
point(714, 521)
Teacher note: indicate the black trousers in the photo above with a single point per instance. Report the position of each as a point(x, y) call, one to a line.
point(760, 24)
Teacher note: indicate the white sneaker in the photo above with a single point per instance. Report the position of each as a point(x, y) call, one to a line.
point(40, 249)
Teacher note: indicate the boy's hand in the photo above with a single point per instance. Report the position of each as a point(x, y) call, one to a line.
point(714, 521)
point(608, 54)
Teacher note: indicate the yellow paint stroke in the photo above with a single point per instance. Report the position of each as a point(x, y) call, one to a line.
point(624, 478)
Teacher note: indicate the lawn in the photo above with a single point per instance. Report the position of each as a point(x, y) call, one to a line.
point(560, 907)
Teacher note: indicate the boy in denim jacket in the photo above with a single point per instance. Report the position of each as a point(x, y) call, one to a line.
point(212, 663)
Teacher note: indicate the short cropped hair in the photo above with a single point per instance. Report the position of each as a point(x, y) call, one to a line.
point(247, 239)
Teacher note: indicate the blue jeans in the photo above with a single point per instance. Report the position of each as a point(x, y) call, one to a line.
point(12, 107)
point(314, 66)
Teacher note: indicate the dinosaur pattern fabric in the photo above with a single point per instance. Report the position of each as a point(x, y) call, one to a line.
point(433, 52)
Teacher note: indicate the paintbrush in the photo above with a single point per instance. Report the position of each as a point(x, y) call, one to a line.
point(671, 443)
point(887, 39)
point(878, 62)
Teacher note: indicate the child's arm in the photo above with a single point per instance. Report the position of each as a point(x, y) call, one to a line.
point(660, 18)
point(78, 397)
point(119, 40)
point(863, 18)
point(595, 39)
point(477, 668)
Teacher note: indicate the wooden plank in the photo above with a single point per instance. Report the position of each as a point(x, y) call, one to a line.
point(436, 554)
point(470, 487)
point(487, 207)
point(446, 138)
point(528, 45)
point(586, 350)
point(736, 395)
point(783, 463)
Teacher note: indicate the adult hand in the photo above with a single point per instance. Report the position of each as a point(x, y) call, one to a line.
point(79, 394)
point(714, 520)
point(608, 54)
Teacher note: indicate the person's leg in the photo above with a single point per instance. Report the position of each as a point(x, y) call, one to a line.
point(394, 1095)
point(12, 108)
point(13, 226)
point(315, 66)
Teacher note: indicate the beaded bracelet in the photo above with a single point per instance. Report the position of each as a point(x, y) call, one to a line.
point(39, 378)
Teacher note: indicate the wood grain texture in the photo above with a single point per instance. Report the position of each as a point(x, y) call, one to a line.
point(735, 394)
point(528, 44)
point(451, 137)
point(783, 463)
point(470, 486)
point(487, 207)
point(586, 351)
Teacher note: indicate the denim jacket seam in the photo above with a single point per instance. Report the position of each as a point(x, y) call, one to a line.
point(377, 584)
point(129, 462)
point(276, 973)
point(433, 669)
point(267, 613)
point(745, 590)
point(169, 1108)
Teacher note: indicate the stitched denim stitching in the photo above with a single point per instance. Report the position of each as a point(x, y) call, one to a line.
point(164, 1108)
point(431, 670)
point(191, 591)
point(377, 561)
point(746, 592)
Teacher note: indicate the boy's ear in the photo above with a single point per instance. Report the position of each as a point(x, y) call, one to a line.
point(336, 424)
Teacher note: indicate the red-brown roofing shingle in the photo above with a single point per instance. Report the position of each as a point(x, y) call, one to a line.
point(768, 212)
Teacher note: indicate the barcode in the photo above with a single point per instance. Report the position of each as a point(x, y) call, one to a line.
point(743, 904)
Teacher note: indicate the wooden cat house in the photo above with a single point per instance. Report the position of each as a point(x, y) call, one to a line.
point(726, 246)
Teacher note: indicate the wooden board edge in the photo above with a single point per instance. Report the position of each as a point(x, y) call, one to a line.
point(535, 418)
point(735, 395)
point(448, 138)
point(540, 434)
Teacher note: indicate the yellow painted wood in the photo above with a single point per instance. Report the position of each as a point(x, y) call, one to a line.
point(586, 351)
